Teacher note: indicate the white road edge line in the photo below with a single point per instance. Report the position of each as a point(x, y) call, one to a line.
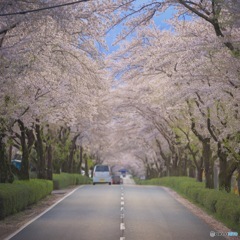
point(122, 238)
point(48, 209)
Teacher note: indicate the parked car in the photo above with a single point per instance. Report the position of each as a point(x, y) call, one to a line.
point(102, 174)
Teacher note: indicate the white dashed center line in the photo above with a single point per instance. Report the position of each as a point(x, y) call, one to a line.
point(122, 224)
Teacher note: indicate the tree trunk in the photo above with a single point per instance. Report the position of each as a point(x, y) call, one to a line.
point(199, 174)
point(175, 170)
point(49, 162)
point(185, 167)
point(226, 169)
point(232, 166)
point(80, 159)
point(40, 152)
point(164, 157)
point(71, 154)
point(86, 164)
point(206, 151)
point(147, 172)
point(24, 171)
point(208, 165)
point(192, 170)
point(10, 154)
point(222, 170)
point(5, 170)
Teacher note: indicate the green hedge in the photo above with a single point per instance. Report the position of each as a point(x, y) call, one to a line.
point(64, 180)
point(20, 194)
point(17, 196)
point(222, 205)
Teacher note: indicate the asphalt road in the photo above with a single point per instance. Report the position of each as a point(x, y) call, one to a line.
point(104, 212)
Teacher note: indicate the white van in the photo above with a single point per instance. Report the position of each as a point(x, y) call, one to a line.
point(102, 174)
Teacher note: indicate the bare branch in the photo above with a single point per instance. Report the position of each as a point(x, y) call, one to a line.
point(41, 9)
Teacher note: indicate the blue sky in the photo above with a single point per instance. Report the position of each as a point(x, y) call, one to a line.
point(159, 20)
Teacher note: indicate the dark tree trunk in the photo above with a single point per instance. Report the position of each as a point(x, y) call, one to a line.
point(10, 153)
point(226, 169)
point(63, 137)
point(199, 166)
point(222, 170)
point(206, 154)
point(6, 175)
point(175, 169)
point(80, 159)
point(164, 157)
point(41, 169)
point(24, 171)
point(49, 162)
point(86, 165)
point(199, 174)
point(208, 165)
point(65, 165)
point(71, 154)
point(3, 168)
point(192, 170)
point(232, 166)
point(147, 172)
point(185, 166)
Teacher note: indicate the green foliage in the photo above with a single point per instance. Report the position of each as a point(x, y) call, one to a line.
point(222, 205)
point(17, 196)
point(64, 180)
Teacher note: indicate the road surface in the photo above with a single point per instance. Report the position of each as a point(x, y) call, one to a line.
point(120, 212)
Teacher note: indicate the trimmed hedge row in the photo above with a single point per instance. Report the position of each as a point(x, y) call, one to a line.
point(224, 206)
point(64, 180)
point(18, 195)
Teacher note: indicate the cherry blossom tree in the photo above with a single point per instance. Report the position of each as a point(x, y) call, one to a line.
point(52, 63)
point(182, 65)
point(221, 15)
point(173, 91)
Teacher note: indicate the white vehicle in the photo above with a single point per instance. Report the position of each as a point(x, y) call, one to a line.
point(102, 174)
